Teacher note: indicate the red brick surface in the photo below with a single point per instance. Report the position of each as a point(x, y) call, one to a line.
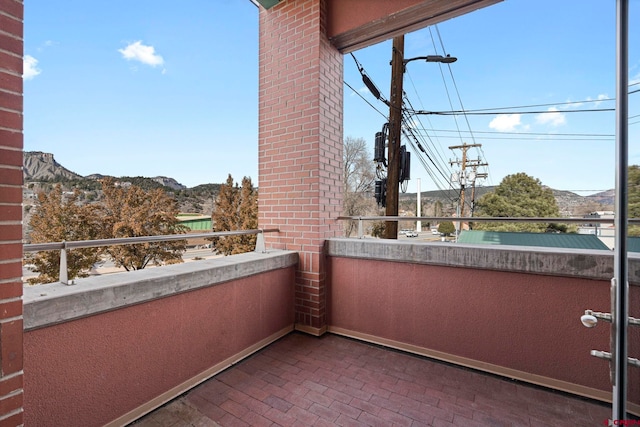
point(11, 384)
point(10, 177)
point(10, 139)
point(8, 100)
point(10, 24)
point(16, 419)
point(11, 290)
point(13, 8)
point(11, 352)
point(303, 381)
point(9, 309)
point(10, 194)
point(300, 133)
point(11, 143)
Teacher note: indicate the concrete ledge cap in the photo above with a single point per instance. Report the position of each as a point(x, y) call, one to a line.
point(53, 303)
point(592, 264)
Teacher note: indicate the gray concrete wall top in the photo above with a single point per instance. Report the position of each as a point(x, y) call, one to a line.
point(592, 264)
point(53, 303)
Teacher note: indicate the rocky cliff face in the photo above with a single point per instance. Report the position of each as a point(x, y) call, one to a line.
point(40, 166)
point(169, 182)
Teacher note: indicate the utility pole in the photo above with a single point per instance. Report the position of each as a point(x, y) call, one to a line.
point(395, 127)
point(476, 175)
point(463, 175)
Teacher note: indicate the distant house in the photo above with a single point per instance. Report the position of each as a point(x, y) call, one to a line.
point(547, 240)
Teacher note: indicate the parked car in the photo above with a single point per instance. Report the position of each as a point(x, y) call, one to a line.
point(411, 234)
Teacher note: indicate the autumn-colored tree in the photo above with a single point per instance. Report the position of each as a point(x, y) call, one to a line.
point(59, 217)
point(518, 195)
point(235, 209)
point(133, 212)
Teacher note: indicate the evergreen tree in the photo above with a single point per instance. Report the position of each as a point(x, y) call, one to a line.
point(518, 195)
point(248, 216)
point(235, 209)
point(446, 228)
point(59, 217)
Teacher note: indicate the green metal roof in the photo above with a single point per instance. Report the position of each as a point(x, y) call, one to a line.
point(633, 244)
point(548, 240)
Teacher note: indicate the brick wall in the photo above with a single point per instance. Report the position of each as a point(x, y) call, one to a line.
point(300, 144)
point(11, 51)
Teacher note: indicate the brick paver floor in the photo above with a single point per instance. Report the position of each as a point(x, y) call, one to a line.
point(303, 381)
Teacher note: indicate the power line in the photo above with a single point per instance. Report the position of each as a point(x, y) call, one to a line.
point(524, 138)
point(365, 100)
point(439, 153)
point(531, 133)
point(486, 112)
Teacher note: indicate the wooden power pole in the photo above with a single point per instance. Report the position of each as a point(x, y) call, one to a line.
point(395, 132)
point(463, 175)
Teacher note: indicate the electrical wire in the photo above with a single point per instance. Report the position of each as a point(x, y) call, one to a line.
point(373, 89)
point(435, 152)
point(455, 85)
point(365, 100)
point(486, 113)
point(412, 139)
point(586, 135)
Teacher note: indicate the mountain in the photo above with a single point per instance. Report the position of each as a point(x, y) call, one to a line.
point(39, 166)
point(42, 172)
point(42, 167)
point(169, 182)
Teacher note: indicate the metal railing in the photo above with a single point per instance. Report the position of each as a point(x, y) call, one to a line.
point(360, 219)
point(64, 246)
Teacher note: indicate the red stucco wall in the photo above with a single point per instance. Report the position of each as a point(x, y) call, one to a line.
point(529, 323)
point(90, 371)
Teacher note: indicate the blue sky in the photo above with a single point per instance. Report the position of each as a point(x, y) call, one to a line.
point(151, 88)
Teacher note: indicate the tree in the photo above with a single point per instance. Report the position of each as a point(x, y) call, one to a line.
point(634, 198)
point(518, 195)
point(446, 228)
point(133, 212)
point(235, 209)
point(59, 217)
point(358, 180)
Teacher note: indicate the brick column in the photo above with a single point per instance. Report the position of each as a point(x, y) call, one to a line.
point(11, 51)
point(300, 144)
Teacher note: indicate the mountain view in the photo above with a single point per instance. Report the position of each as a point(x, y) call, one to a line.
point(42, 172)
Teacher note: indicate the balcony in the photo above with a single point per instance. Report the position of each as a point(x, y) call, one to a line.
point(467, 321)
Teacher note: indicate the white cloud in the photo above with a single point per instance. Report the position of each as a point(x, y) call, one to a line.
point(29, 67)
point(505, 122)
point(553, 118)
point(600, 98)
point(137, 51)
